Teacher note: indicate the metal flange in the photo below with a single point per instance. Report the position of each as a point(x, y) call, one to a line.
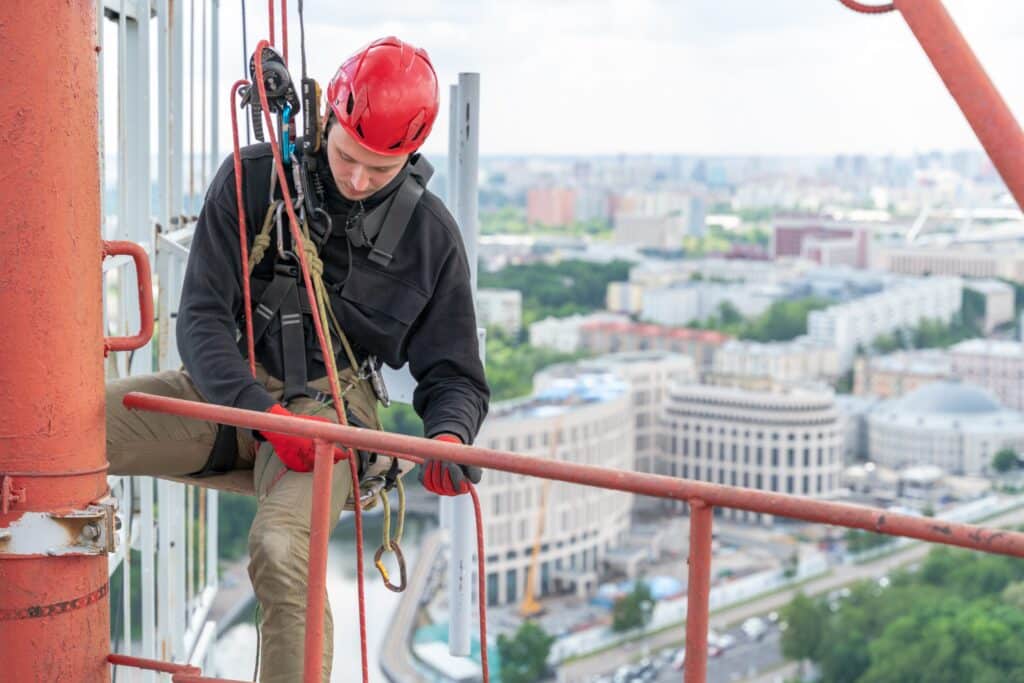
point(90, 531)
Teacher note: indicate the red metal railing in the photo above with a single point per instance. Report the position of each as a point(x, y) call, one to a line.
point(701, 496)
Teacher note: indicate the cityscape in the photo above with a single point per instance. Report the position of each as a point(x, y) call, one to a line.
point(747, 282)
point(844, 328)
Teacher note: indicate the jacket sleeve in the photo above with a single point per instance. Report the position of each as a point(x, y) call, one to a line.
point(444, 356)
point(211, 303)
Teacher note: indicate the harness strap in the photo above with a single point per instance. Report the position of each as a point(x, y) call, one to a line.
point(293, 344)
point(399, 211)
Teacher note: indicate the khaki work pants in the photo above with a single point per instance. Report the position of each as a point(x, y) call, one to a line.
point(145, 443)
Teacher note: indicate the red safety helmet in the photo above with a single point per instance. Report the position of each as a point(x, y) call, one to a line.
point(386, 96)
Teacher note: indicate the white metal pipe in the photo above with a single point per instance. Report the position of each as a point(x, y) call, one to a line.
point(215, 95)
point(460, 513)
point(453, 147)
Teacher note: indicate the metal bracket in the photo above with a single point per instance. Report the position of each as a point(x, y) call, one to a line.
point(90, 531)
point(10, 495)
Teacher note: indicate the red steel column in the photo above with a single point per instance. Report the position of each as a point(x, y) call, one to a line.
point(54, 623)
point(697, 592)
point(970, 86)
point(316, 582)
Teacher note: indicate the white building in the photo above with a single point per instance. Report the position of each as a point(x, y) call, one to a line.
point(572, 420)
point(787, 442)
point(563, 334)
point(958, 427)
point(966, 260)
point(684, 303)
point(999, 302)
point(902, 305)
point(500, 308)
point(995, 365)
point(649, 375)
point(894, 374)
point(748, 363)
point(661, 232)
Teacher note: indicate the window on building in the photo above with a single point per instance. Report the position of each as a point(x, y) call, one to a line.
point(807, 485)
point(734, 451)
point(807, 457)
point(789, 484)
point(510, 586)
point(492, 589)
point(775, 458)
point(775, 482)
point(760, 456)
point(790, 457)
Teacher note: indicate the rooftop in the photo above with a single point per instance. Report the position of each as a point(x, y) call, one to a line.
point(647, 330)
point(563, 395)
point(948, 398)
point(990, 347)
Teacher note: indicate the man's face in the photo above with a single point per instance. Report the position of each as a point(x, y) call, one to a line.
point(357, 171)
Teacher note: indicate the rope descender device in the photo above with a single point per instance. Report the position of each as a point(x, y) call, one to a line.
point(281, 96)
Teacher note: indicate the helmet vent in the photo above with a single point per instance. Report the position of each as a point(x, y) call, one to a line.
point(417, 134)
point(359, 129)
point(350, 105)
point(396, 145)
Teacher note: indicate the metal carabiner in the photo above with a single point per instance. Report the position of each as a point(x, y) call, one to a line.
point(400, 558)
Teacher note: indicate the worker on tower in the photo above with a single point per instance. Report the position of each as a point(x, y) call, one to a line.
point(398, 283)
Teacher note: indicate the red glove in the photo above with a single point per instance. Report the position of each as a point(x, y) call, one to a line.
point(448, 478)
point(296, 452)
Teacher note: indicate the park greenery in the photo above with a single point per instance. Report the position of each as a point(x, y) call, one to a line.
point(1005, 460)
point(782, 321)
point(633, 610)
point(510, 220)
point(560, 289)
point(958, 618)
point(857, 541)
point(524, 655)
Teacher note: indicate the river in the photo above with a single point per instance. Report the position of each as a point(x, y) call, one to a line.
point(236, 649)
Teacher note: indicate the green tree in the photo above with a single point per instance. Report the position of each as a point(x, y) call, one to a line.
point(400, 418)
point(1014, 595)
point(1004, 460)
point(560, 289)
point(511, 367)
point(806, 620)
point(524, 655)
point(635, 609)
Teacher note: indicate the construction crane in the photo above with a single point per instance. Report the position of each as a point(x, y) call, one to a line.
point(530, 607)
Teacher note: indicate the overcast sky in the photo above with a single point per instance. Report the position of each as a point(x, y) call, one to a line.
point(668, 76)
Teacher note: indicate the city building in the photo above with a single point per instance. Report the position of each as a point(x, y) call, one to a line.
point(610, 337)
point(998, 298)
point(822, 240)
point(853, 420)
point(565, 334)
point(686, 302)
point(995, 365)
point(787, 442)
point(580, 420)
point(659, 232)
point(902, 305)
point(500, 308)
point(895, 374)
point(649, 375)
point(624, 297)
point(551, 206)
point(959, 259)
point(757, 365)
point(956, 426)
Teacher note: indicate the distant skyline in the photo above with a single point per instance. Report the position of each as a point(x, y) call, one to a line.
point(721, 77)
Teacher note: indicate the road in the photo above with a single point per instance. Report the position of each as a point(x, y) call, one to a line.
point(606, 663)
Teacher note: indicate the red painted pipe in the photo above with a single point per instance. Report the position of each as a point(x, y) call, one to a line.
point(674, 488)
point(54, 610)
point(698, 593)
point(319, 533)
point(180, 673)
point(151, 664)
point(145, 284)
point(974, 92)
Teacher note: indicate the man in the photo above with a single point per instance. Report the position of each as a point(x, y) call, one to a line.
point(409, 301)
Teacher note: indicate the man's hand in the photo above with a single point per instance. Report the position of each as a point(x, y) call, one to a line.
point(296, 452)
point(448, 478)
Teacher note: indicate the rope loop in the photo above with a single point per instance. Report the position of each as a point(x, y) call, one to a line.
point(869, 9)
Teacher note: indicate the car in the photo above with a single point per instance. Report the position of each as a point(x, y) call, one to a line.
point(754, 628)
point(679, 659)
point(773, 617)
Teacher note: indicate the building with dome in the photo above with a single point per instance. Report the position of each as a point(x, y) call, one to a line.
point(953, 425)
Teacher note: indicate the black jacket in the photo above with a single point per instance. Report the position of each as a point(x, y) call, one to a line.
point(419, 309)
